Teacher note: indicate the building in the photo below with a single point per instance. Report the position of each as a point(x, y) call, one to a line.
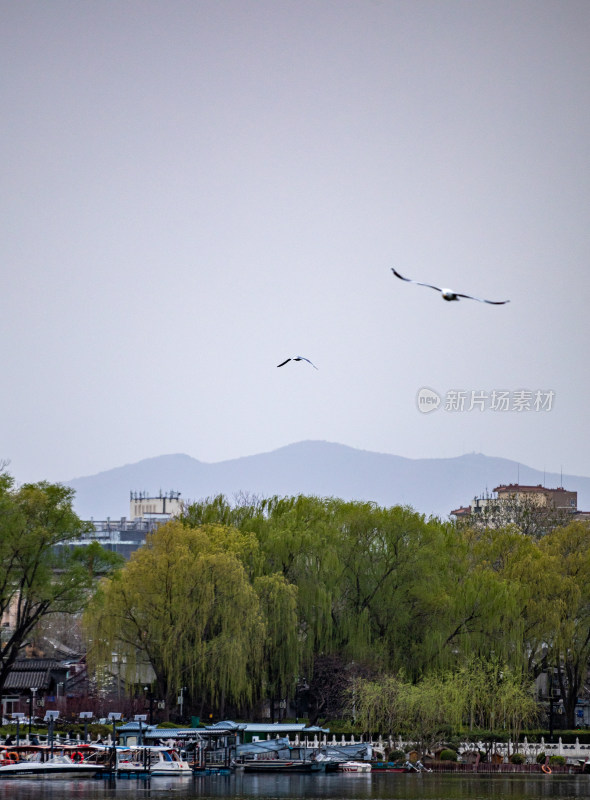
point(558, 499)
point(141, 505)
point(125, 535)
point(507, 499)
point(33, 684)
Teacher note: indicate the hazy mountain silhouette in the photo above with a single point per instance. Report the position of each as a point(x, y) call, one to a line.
point(430, 485)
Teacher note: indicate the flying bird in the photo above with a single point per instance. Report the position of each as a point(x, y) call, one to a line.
point(449, 294)
point(296, 358)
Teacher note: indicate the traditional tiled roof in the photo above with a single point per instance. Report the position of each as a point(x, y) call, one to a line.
point(27, 679)
point(31, 673)
point(35, 663)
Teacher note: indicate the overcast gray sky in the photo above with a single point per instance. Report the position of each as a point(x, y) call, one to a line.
point(192, 191)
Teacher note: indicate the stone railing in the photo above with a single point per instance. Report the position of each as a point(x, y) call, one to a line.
point(381, 745)
point(528, 749)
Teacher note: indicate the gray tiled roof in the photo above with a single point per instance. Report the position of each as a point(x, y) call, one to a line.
point(27, 679)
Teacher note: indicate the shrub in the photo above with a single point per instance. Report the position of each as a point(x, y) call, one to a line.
point(517, 758)
point(541, 758)
point(556, 761)
point(396, 755)
point(448, 755)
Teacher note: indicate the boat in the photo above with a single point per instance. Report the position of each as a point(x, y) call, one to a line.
point(390, 766)
point(152, 761)
point(282, 765)
point(354, 766)
point(43, 761)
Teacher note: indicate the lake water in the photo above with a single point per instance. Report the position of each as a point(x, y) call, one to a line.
point(331, 787)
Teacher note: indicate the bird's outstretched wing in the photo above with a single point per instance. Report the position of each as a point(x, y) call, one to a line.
point(481, 300)
point(302, 358)
point(282, 364)
point(409, 280)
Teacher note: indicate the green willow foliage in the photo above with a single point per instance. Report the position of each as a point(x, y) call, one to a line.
point(482, 693)
point(238, 601)
point(184, 605)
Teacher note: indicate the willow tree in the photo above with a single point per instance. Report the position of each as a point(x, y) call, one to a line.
point(280, 663)
point(486, 693)
point(422, 713)
point(184, 605)
point(481, 607)
point(569, 552)
point(525, 570)
point(298, 538)
point(394, 564)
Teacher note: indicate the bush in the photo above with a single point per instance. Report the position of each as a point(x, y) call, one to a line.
point(557, 761)
point(396, 755)
point(517, 758)
point(448, 755)
point(541, 758)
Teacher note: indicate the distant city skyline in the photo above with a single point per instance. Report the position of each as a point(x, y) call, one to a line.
point(192, 192)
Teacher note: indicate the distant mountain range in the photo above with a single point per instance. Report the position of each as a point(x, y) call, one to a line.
point(432, 486)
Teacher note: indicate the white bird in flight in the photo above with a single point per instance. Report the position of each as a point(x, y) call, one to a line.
point(296, 358)
point(449, 294)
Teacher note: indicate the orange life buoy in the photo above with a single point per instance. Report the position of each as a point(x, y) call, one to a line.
point(546, 769)
point(11, 756)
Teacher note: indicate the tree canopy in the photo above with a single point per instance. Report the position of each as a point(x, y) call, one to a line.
point(245, 601)
point(39, 573)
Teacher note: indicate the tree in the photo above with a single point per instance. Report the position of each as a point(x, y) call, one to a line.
point(483, 692)
point(184, 605)
point(278, 607)
point(97, 561)
point(38, 575)
point(569, 552)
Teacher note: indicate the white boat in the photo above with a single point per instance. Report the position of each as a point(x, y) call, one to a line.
point(152, 761)
point(354, 766)
point(43, 762)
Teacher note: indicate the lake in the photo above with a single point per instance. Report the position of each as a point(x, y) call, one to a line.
point(331, 787)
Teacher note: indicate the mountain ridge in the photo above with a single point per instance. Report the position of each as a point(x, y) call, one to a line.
point(433, 486)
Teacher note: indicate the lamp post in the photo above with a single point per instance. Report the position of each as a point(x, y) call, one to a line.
point(181, 700)
point(86, 715)
point(115, 716)
point(150, 697)
point(50, 717)
point(31, 707)
point(141, 718)
point(18, 716)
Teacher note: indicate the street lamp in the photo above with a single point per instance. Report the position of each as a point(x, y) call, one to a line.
point(18, 716)
point(140, 718)
point(181, 700)
point(31, 706)
point(86, 715)
point(115, 716)
point(50, 717)
point(150, 696)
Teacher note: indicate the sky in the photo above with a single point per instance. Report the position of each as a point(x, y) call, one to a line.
point(193, 191)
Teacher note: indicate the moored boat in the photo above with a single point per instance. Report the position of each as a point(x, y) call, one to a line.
point(390, 766)
point(283, 765)
point(151, 761)
point(354, 767)
point(31, 761)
